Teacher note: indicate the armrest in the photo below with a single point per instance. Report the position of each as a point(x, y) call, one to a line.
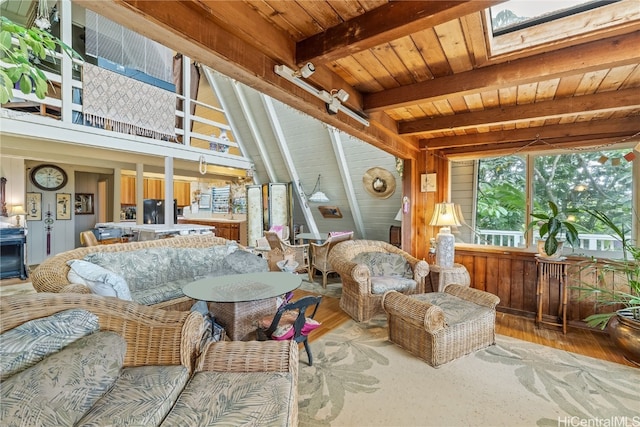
point(75, 288)
point(473, 295)
point(249, 356)
point(418, 313)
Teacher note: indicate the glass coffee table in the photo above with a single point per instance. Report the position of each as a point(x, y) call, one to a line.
point(238, 300)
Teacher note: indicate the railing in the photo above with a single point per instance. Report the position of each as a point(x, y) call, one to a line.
point(203, 126)
point(591, 242)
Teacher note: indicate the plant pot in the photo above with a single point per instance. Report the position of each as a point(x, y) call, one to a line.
point(542, 253)
point(624, 331)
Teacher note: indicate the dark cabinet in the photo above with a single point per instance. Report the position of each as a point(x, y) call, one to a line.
point(12, 241)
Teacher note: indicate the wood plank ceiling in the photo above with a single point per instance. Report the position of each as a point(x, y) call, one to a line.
point(427, 74)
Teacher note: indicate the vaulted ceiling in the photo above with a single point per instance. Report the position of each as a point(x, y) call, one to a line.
point(427, 74)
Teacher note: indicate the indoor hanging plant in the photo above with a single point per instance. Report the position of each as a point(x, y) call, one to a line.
point(555, 229)
point(623, 323)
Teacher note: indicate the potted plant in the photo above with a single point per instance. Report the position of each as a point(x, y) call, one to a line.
point(19, 61)
point(555, 228)
point(623, 323)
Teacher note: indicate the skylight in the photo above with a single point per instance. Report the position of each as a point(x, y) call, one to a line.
point(515, 15)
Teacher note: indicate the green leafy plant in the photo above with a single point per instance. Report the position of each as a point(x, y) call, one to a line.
point(554, 226)
point(18, 60)
point(628, 267)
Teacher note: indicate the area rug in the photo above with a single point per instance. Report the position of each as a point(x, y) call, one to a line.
point(359, 378)
point(17, 289)
point(333, 289)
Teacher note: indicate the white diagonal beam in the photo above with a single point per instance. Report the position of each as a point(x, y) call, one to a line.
point(286, 154)
point(343, 167)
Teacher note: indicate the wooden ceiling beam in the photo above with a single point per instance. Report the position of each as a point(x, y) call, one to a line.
point(595, 103)
point(574, 131)
point(520, 147)
point(598, 55)
point(383, 24)
point(185, 28)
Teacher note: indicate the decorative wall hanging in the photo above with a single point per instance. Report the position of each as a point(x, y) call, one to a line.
point(428, 182)
point(63, 206)
point(125, 105)
point(83, 204)
point(379, 182)
point(330, 211)
point(34, 207)
point(48, 220)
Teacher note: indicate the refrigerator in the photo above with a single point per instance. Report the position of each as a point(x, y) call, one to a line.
point(154, 211)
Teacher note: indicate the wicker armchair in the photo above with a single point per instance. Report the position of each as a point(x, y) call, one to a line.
point(320, 255)
point(439, 327)
point(300, 252)
point(154, 337)
point(358, 299)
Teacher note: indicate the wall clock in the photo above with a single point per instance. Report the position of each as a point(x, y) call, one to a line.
point(48, 177)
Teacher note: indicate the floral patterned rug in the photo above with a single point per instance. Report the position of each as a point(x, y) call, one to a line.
point(359, 378)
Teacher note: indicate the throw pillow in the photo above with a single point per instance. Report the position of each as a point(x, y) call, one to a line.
point(242, 261)
point(100, 280)
point(285, 330)
point(27, 344)
point(385, 264)
point(61, 388)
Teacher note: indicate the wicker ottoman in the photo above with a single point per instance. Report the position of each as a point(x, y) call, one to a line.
point(439, 327)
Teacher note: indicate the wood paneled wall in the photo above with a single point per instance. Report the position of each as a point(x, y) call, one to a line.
point(513, 277)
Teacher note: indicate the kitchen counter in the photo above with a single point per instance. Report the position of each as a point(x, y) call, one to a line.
point(158, 229)
point(230, 229)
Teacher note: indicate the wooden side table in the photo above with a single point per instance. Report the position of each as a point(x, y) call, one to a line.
point(549, 269)
point(444, 276)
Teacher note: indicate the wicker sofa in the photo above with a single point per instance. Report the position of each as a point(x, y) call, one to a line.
point(364, 279)
point(170, 262)
point(439, 327)
point(140, 366)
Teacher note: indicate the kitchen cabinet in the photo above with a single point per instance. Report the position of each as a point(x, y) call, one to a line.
point(128, 190)
point(154, 188)
point(182, 193)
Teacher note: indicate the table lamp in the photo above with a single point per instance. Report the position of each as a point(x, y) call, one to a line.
point(16, 211)
point(445, 215)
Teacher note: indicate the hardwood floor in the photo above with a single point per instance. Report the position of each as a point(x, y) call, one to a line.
point(582, 341)
point(586, 342)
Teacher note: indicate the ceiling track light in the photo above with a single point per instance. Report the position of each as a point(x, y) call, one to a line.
point(332, 100)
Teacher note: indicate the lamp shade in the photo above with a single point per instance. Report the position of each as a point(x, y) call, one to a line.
point(18, 210)
point(319, 197)
point(399, 215)
point(445, 215)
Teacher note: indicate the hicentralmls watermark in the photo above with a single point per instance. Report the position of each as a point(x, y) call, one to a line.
point(621, 421)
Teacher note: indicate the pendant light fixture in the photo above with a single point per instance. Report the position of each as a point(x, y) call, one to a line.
point(318, 196)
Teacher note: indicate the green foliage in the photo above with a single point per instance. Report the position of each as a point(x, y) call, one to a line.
point(628, 267)
point(501, 202)
point(19, 59)
point(554, 226)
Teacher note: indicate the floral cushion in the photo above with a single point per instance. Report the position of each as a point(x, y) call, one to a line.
point(143, 268)
point(161, 292)
point(245, 262)
point(382, 284)
point(61, 388)
point(142, 396)
point(27, 344)
point(230, 399)
point(456, 310)
point(100, 280)
point(385, 264)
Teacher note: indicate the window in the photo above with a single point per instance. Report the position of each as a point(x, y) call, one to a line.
point(513, 16)
point(529, 25)
point(493, 194)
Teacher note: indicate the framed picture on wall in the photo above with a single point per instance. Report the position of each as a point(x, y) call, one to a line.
point(63, 206)
point(83, 204)
point(34, 207)
point(330, 211)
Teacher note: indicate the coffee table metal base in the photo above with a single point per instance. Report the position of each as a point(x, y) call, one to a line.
point(238, 318)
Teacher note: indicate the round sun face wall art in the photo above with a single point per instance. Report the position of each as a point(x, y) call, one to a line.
point(379, 182)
